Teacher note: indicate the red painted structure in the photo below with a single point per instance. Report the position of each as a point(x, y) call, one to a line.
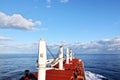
point(72, 71)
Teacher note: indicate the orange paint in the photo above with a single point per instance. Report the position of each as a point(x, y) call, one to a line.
point(72, 71)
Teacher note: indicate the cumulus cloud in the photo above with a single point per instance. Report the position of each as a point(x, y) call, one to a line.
point(105, 46)
point(17, 21)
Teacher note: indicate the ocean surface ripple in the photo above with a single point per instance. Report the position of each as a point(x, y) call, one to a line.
point(97, 66)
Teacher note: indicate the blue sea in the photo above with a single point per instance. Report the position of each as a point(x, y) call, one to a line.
point(97, 66)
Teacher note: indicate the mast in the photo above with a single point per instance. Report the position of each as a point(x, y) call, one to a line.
point(42, 58)
point(61, 58)
point(67, 56)
point(71, 55)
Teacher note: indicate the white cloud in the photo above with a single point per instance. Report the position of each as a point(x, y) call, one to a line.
point(17, 21)
point(64, 1)
point(49, 2)
point(105, 46)
point(3, 38)
point(18, 48)
point(111, 46)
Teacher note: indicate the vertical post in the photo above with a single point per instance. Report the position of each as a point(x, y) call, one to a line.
point(67, 56)
point(70, 54)
point(61, 58)
point(42, 60)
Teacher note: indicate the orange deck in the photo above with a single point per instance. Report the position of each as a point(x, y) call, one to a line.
point(72, 71)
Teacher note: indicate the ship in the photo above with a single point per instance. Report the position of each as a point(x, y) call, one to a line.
point(68, 68)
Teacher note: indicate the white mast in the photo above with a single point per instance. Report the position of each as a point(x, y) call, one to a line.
point(42, 58)
point(67, 56)
point(71, 55)
point(61, 58)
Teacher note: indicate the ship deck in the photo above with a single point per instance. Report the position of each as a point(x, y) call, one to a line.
point(72, 71)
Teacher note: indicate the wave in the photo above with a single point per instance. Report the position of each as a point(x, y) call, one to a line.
point(92, 76)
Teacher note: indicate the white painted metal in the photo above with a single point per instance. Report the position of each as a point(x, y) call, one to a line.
point(42, 58)
point(71, 54)
point(55, 61)
point(61, 58)
point(67, 56)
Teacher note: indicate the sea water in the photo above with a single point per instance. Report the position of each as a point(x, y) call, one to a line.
point(97, 66)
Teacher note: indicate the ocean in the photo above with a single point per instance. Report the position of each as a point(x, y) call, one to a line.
point(97, 66)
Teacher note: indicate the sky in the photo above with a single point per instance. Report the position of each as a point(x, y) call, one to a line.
point(91, 25)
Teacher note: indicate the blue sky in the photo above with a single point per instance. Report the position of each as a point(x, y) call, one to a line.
point(26, 21)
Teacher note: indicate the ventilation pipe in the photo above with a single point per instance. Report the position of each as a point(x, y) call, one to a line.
point(42, 58)
point(67, 56)
point(61, 58)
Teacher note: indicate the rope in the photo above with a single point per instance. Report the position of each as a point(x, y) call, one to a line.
point(50, 53)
